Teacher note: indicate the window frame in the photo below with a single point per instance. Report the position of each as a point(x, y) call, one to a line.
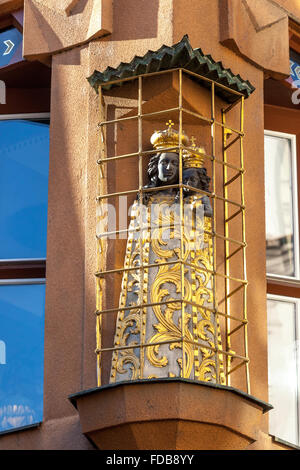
point(290, 280)
point(35, 267)
point(296, 302)
point(20, 281)
point(7, 263)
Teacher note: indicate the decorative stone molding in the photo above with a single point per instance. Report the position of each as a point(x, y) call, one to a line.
point(258, 31)
point(140, 415)
point(51, 26)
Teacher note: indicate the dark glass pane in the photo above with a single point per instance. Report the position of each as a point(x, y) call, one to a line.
point(24, 161)
point(21, 354)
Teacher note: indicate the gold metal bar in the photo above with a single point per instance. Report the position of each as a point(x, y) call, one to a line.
point(231, 106)
point(121, 193)
point(229, 239)
point(147, 152)
point(136, 116)
point(158, 113)
point(214, 225)
point(127, 79)
point(211, 234)
point(226, 251)
point(231, 317)
point(145, 345)
point(115, 121)
point(166, 302)
point(244, 240)
point(167, 263)
point(197, 115)
point(178, 340)
point(231, 278)
point(116, 232)
point(234, 291)
point(161, 188)
point(181, 217)
point(99, 287)
point(229, 165)
point(141, 241)
point(219, 312)
point(219, 85)
point(213, 195)
point(120, 270)
point(135, 154)
point(235, 131)
point(133, 307)
point(244, 362)
point(199, 191)
point(136, 229)
point(131, 191)
point(229, 201)
point(213, 272)
point(220, 351)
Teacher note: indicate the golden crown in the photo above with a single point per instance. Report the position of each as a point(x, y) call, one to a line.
point(168, 138)
point(193, 158)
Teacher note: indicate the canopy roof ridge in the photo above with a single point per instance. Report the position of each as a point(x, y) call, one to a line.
point(180, 55)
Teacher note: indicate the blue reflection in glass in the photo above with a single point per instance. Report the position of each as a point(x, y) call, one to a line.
point(24, 164)
point(21, 354)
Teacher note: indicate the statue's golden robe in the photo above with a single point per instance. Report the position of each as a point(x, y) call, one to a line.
point(176, 334)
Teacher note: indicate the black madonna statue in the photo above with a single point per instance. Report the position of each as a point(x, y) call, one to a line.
point(194, 175)
point(176, 341)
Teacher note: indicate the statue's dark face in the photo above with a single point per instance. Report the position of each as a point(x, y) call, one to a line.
point(168, 168)
point(190, 177)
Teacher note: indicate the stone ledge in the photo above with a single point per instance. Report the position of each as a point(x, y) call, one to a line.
point(169, 414)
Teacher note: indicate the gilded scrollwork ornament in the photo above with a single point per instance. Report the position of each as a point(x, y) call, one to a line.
point(166, 325)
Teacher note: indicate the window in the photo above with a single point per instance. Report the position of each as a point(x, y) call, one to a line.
point(21, 368)
point(282, 153)
point(24, 160)
point(281, 201)
point(284, 367)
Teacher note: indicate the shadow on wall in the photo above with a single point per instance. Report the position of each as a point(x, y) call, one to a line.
point(76, 7)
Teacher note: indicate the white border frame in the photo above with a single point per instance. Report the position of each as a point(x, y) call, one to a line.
point(296, 302)
point(292, 138)
point(13, 282)
point(6, 117)
point(26, 116)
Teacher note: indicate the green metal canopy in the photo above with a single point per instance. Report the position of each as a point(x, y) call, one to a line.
point(181, 55)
